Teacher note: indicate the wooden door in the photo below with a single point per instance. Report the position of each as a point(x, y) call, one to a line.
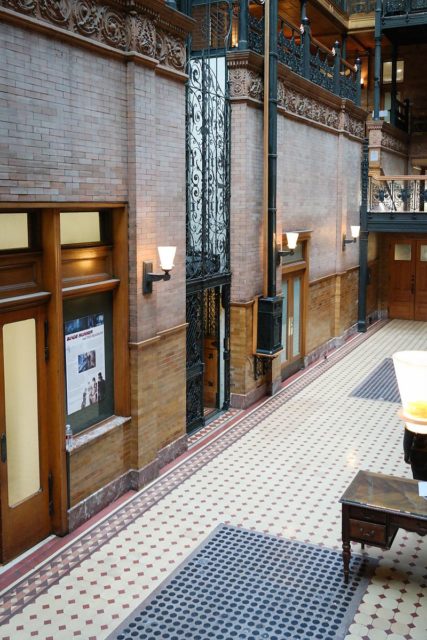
point(292, 317)
point(402, 278)
point(420, 306)
point(24, 483)
point(408, 278)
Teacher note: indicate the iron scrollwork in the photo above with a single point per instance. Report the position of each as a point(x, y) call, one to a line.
point(207, 173)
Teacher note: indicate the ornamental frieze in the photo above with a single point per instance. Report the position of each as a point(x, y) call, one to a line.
point(307, 107)
point(245, 83)
point(127, 29)
point(390, 142)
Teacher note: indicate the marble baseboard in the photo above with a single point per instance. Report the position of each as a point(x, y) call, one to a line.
point(94, 503)
point(243, 401)
point(133, 479)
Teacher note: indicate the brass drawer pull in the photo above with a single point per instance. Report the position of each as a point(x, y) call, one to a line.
point(367, 534)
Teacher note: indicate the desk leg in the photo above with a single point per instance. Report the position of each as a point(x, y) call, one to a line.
point(346, 554)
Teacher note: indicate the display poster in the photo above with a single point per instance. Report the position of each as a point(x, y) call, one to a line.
point(85, 362)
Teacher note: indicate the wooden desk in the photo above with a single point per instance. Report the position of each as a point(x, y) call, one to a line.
point(375, 507)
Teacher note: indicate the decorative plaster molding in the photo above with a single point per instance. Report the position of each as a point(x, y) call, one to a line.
point(126, 26)
point(390, 142)
point(308, 107)
point(245, 83)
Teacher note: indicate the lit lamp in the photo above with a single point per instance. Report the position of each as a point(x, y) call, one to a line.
point(291, 239)
point(355, 232)
point(166, 257)
point(411, 374)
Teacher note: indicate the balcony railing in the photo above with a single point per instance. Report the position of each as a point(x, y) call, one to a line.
point(391, 195)
point(360, 6)
point(403, 7)
point(309, 58)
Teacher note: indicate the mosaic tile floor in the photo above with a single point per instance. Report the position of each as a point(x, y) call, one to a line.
point(280, 469)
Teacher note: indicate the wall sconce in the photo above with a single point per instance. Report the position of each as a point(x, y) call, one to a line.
point(291, 239)
point(355, 232)
point(411, 374)
point(166, 257)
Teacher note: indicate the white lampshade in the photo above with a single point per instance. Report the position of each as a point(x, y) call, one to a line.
point(166, 256)
point(292, 239)
point(411, 374)
point(355, 230)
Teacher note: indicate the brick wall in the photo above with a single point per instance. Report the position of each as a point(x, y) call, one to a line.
point(246, 202)
point(84, 126)
point(64, 119)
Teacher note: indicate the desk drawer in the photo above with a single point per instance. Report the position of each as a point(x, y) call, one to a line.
point(359, 513)
point(367, 531)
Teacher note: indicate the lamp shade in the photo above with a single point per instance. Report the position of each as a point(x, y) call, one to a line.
point(355, 230)
point(166, 256)
point(292, 239)
point(411, 374)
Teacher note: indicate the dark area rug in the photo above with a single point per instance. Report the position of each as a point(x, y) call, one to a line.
point(380, 384)
point(240, 584)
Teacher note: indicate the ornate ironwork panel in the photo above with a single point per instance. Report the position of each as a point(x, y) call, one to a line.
point(256, 34)
point(394, 6)
point(321, 72)
point(289, 48)
point(208, 172)
point(348, 84)
point(208, 196)
point(195, 365)
point(361, 6)
point(390, 196)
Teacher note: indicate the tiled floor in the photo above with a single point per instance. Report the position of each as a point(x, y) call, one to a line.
point(279, 468)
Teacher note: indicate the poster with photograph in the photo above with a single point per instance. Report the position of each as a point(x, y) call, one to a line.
point(85, 362)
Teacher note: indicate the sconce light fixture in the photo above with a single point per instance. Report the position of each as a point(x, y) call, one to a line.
point(355, 232)
point(291, 239)
point(166, 257)
point(411, 374)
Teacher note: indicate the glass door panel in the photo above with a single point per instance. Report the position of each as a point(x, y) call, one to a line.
point(21, 409)
point(285, 315)
point(296, 342)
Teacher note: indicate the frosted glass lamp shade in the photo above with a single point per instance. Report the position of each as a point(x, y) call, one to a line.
point(292, 239)
point(166, 256)
point(355, 231)
point(411, 374)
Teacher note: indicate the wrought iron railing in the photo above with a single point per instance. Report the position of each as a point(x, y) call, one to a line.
point(360, 6)
point(397, 194)
point(402, 7)
point(309, 58)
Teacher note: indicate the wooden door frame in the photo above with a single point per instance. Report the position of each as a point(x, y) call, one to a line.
point(410, 238)
point(300, 267)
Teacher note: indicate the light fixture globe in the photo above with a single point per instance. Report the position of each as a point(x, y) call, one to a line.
point(292, 239)
point(166, 257)
point(355, 231)
point(411, 374)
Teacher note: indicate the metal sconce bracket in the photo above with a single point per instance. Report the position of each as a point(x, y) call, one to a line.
point(281, 253)
point(345, 241)
point(148, 277)
point(262, 366)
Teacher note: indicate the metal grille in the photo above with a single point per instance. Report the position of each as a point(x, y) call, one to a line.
point(381, 384)
point(244, 584)
point(208, 200)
